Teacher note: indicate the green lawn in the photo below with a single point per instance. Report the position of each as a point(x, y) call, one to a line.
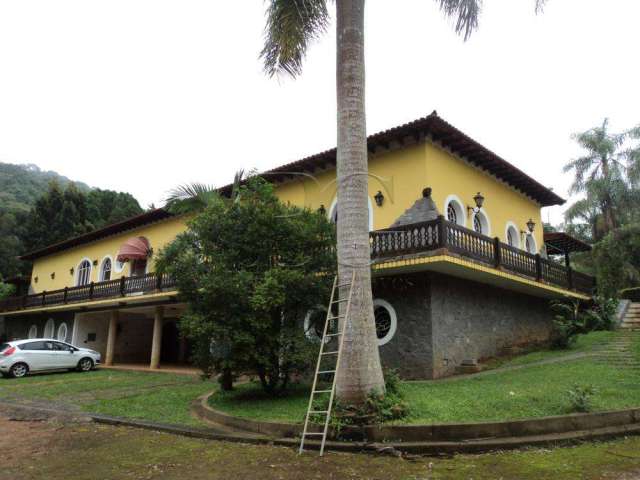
point(534, 391)
point(161, 397)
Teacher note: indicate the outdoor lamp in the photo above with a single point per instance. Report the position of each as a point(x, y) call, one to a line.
point(478, 199)
point(531, 225)
point(379, 198)
point(322, 210)
point(71, 270)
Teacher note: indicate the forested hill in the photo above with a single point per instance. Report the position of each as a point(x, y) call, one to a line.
point(38, 208)
point(22, 185)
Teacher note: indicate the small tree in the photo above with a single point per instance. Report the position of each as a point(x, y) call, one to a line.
point(6, 290)
point(249, 269)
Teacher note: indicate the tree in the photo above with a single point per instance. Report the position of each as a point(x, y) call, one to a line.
point(249, 269)
point(601, 174)
point(61, 214)
point(6, 290)
point(291, 26)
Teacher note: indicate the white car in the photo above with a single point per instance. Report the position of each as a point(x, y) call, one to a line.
point(20, 357)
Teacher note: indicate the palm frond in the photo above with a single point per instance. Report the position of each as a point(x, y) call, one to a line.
point(465, 14)
point(291, 26)
point(189, 198)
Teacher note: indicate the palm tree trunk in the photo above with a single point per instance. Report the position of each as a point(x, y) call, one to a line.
point(360, 370)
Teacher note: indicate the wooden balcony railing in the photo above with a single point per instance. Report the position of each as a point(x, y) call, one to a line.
point(385, 244)
point(121, 287)
point(442, 234)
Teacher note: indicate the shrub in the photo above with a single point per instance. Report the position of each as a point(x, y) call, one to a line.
point(580, 398)
point(567, 323)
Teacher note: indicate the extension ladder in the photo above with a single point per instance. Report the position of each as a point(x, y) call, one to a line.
point(328, 341)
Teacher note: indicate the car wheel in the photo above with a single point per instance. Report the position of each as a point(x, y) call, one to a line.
point(19, 370)
point(85, 364)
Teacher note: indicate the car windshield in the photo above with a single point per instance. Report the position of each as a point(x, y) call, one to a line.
point(4, 346)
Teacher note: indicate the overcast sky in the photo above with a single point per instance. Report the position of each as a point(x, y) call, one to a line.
point(143, 95)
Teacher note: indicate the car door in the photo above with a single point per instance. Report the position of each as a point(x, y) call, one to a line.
point(37, 355)
point(65, 355)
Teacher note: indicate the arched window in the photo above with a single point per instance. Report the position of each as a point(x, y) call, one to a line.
point(62, 332)
point(333, 212)
point(530, 244)
point(84, 273)
point(454, 210)
point(49, 328)
point(512, 235)
point(452, 216)
point(481, 223)
point(33, 332)
point(105, 270)
point(386, 320)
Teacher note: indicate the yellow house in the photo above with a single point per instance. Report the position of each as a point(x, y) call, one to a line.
point(462, 267)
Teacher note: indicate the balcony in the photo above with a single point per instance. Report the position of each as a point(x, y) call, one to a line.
point(112, 289)
point(418, 239)
point(443, 236)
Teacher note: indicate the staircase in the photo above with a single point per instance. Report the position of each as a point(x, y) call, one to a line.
point(631, 320)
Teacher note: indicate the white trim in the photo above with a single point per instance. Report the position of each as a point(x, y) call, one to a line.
point(378, 302)
point(77, 275)
point(484, 221)
point(309, 332)
point(66, 332)
point(49, 329)
point(461, 215)
point(33, 332)
point(101, 268)
point(516, 232)
point(334, 205)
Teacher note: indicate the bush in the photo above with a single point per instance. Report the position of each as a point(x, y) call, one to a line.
point(568, 323)
point(580, 398)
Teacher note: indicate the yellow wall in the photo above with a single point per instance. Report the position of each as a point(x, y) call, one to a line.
point(158, 234)
point(400, 174)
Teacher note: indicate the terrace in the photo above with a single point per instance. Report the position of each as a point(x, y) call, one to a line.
point(407, 241)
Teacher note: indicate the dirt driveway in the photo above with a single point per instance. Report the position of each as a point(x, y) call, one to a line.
point(40, 448)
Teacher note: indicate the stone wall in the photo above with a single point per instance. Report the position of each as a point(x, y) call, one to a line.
point(472, 320)
point(410, 351)
point(443, 321)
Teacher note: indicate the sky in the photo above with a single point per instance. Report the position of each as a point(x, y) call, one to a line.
point(144, 95)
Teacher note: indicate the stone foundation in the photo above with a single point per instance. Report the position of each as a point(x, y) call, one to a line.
point(443, 321)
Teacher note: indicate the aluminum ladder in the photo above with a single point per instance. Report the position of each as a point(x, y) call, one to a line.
point(331, 352)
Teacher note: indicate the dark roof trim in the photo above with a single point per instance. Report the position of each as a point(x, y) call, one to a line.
point(559, 243)
point(439, 131)
point(145, 218)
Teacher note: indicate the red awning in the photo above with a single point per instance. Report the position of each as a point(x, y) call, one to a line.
point(134, 249)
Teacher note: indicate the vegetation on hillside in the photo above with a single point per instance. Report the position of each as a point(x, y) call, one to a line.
point(39, 208)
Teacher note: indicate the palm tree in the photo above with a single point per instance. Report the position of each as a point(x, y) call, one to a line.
point(291, 25)
point(600, 173)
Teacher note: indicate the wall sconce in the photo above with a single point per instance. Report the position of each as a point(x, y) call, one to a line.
point(379, 198)
point(71, 270)
point(35, 280)
point(478, 199)
point(531, 225)
point(53, 275)
point(322, 210)
point(95, 263)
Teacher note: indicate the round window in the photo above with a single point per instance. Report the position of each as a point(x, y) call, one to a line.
point(62, 332)
point(314, 322)
point(386, 320)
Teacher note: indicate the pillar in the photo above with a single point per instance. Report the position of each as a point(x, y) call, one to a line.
point(156, 344)
point(111, 337)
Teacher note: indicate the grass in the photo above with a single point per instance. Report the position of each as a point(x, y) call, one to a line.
point(161, 397)
point(88, 452)
point(535, 391)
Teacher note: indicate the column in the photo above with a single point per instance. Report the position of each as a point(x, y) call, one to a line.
point(157, 337)
point(111, 337)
